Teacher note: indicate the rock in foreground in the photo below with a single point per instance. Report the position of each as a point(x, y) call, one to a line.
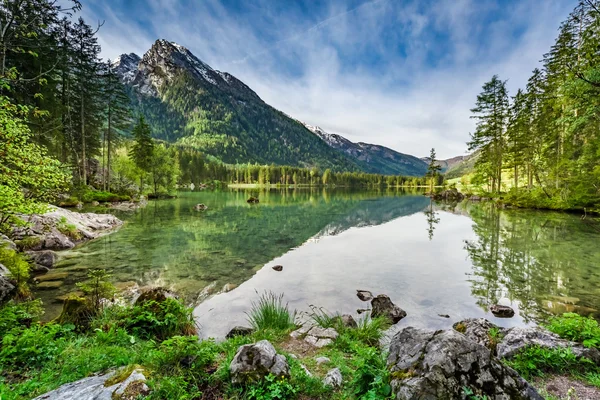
point(94, 388)
point(253, 362)
point(428, 365)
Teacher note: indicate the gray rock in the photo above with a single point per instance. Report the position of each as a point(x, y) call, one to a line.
point(382, 306)
point(306, 371)
point(430, 365)
point(239, 331)
point(86, 226)
point(321, 337)
point(93, 388)
point(477, 330)
point(500, 311)
point(517, 339)
point(364, 295)
point(302, 331)
point(333, 378)
point(322, 360)
point(200, 207)
point(7, 289)
point(44, 258)
point(7, 243)
point(253, 362)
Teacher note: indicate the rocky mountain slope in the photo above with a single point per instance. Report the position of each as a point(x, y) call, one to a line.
point(373, 158)
point(187, 102)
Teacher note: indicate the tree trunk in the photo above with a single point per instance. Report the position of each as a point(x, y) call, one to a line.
point(108, 148)
point(84, 159)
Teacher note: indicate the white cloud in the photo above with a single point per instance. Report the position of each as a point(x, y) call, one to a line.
point(310, 66)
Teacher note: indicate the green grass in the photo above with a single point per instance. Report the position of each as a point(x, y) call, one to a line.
point(270, 312)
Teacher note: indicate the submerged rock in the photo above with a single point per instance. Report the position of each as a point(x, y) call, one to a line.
point(500, 311)
point(278, 268)
point(200, 207)
point(440, 364)
point(45, 258)
point(382, 306)
point(253, 362)
point(101, 387)
point(253, 200)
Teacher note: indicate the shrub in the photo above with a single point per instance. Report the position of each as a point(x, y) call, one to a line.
point(536, 361)
point(157, 320)
point(369, 331)
point(269, 312)
point(19, 315)
point(28, 243)
point(372, 378)
point(33, 347)
point(102, 197)
point(574, 327)
point(69, 230)
point(97, 288)
point(272, 388)
point(186, 351)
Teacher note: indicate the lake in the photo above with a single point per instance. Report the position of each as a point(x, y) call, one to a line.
point(430, 259)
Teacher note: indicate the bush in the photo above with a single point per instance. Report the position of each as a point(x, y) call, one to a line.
point(187, 351)
point(33, 347)
point(19, 315)
point(272, 388)
point(269, 312)
point(102, 197)
point(536, 361)
point(152, 320)
point(372, 378)
point(574, 327)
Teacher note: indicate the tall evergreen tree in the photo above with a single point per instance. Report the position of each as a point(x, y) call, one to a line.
point(142, 150)
point(491, 113)
point(433, 169)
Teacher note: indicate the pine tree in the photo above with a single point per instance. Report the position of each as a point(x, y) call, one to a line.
point(491, 113)
point(433, 170)
point(142, 150)
point(118, 116)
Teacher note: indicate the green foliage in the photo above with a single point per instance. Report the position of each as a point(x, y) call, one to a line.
point(372, 378)
point(185, 352)
point(18, 267)
point(33, 347)
point(28, 176)
point(536, 361)
point(19, 315)
point(574, 327)
point(272, 388)
point(324, 319)
point(102, 197)
point(368, 332)
point(471, 395)
point(494, 336)
point(68, 229)
point(269, 312)
point(151, 320)
point(97, 288)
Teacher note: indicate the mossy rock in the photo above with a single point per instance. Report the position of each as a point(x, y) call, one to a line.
point(49, 285)
point(29, 243)
point(158, 294)
point(52, 276)
point(76, 310)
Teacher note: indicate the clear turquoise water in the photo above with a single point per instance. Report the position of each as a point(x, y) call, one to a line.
point(429, 259)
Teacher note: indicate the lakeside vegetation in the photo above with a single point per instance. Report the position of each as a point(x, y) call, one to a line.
point(545, 138)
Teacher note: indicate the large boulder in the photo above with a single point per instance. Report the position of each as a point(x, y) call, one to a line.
point(451, 195)
point(109, 386)
point(253, 362)
point(7, 243)
point(516, 339)
point(7, 289)
point(479, 331)
point(428, 365)
point(61, 229)
point(382, 306)
point(44, 258)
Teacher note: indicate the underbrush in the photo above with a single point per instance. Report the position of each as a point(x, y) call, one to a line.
point(537, 361)
point(159, 337)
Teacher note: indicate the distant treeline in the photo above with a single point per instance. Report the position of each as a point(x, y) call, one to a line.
point(196, 168)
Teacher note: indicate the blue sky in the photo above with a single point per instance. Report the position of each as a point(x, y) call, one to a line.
point(399, 73)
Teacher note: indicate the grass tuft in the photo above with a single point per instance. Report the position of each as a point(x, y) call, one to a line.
point(270, 312)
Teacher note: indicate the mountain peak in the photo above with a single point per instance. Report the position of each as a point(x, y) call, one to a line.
point(125, 66)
